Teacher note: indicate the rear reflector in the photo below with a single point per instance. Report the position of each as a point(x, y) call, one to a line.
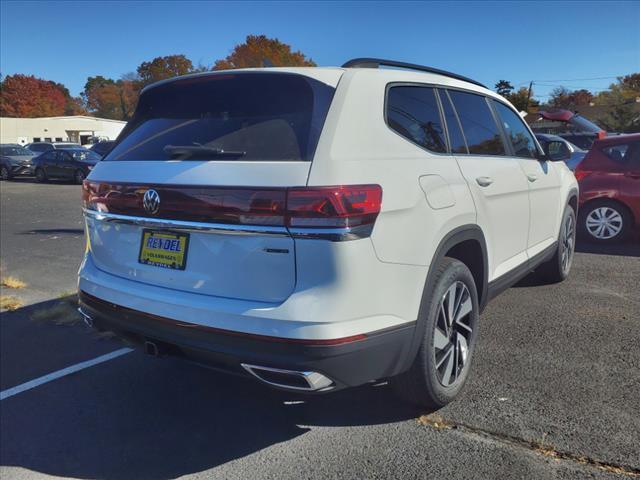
point(349, 208)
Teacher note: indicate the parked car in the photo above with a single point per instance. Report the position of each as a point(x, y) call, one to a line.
point(102, 148)
point(571, 126)
point(321, 228)
point(65, 164)
point(557, 148)
point(15, 160)
point(40, 147)
point(609, 178)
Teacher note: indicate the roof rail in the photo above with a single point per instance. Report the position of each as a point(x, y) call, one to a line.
point(377, 62)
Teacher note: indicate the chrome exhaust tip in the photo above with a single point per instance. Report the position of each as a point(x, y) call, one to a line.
point(86, 318)
point(290, 379)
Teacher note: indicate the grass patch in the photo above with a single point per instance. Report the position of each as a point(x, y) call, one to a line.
point(10, 302)
point(12, 282)
point(61, 312)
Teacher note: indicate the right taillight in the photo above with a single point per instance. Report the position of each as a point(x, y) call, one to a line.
point(333, 207)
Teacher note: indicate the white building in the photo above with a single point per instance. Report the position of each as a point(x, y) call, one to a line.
point(78, 129)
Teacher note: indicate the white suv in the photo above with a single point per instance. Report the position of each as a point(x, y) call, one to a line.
point(321, 228)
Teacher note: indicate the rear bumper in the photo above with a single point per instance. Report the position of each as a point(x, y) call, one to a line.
point(352, 362)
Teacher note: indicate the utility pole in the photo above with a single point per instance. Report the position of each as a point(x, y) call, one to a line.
point(529, 94)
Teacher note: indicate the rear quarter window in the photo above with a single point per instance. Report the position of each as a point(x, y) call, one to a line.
point(413, 112)
point(478, 124)
point(250, 116)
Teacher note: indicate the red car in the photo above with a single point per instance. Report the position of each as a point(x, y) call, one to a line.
point(609, 179)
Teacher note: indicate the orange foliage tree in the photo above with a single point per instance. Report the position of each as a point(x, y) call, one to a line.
point(30, 97)
point(260, 51)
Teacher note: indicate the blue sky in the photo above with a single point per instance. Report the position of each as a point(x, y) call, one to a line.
point(551, 43)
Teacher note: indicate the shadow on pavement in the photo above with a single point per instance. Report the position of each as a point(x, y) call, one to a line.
point(138, 417)
point(53, 231)
point(630, 248)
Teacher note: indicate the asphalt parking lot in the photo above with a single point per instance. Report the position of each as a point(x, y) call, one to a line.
point(554, 391)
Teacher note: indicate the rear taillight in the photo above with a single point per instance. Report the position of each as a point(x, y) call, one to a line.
point(333, 207)
point(340, 212)
point(580, 173)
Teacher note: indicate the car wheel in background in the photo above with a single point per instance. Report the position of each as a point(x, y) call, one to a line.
point(5, 174)
point(41, 176)
point(604, 221)
point(79, 177)
point(442, 364)
point(557, 269)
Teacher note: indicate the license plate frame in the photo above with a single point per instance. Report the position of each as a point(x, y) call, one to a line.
point(162, 257)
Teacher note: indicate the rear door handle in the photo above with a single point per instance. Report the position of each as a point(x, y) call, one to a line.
point(632, 175)
point(484, 181)
point(532, 177)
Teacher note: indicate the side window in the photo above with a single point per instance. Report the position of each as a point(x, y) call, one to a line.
point(50, 155)
point(413, 112)
point(617, 153)
point(521, 139)
point(479, 127)
point(458, 145)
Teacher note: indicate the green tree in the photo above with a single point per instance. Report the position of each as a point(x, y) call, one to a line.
point(260, 51)
point(504, 88)
point(161, 68)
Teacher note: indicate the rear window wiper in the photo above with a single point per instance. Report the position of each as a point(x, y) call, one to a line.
point(200, 152)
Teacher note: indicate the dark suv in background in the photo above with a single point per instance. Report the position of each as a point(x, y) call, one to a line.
point(67, 164)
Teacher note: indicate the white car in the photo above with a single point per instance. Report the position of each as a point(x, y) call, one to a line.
point(321, 228)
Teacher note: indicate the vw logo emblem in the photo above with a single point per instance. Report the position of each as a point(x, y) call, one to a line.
point(151, 201)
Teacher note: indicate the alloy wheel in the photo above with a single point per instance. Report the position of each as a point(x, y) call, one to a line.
point(568, 243)
point(452, 333)
point(604, 223)
point(4, 173)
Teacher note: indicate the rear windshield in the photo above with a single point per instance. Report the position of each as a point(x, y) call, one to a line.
point(237, 116)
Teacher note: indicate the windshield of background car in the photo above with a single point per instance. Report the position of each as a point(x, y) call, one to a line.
point(581, 124)
point(84, 155)
point(259, 116)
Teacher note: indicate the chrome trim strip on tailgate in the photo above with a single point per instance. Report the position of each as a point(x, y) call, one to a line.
point(331, 234)
point(200, 227)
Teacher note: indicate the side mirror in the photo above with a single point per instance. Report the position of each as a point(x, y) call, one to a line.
point(557, 151)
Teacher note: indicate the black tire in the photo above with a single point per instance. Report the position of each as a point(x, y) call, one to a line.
point(620, 220)
point(5, 173)
point(78, 177)
point(557, 269)
point(41, 175)
point(426, 383)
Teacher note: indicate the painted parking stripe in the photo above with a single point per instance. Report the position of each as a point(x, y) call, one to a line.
point(10, 392)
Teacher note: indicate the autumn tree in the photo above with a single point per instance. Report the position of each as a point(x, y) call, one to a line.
point(28, 96)
point(164, 67)
point(73, 105)
point(109, 98)
point(522, 100)
point(261, 51)
point(504, 88)
point(622, 112)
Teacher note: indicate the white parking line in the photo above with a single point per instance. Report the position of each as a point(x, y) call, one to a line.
point(10, 392)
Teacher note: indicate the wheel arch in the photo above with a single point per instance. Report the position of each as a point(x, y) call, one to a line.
point(463, 243)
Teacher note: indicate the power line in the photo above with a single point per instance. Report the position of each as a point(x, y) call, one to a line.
point(578, 79)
